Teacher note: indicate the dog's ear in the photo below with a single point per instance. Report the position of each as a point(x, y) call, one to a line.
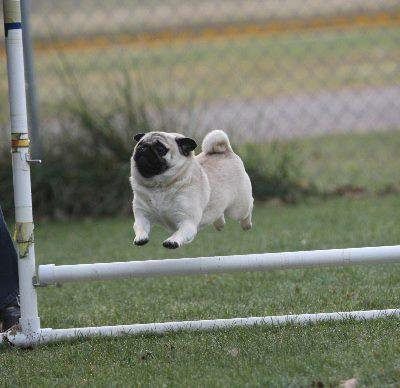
point(185, 145)
point(138, 136)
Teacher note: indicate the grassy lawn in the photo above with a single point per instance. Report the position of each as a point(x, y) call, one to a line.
point(249, 67)
point(328, 353)
point(369, 160)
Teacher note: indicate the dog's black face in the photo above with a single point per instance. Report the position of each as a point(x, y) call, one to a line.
point(149, 158)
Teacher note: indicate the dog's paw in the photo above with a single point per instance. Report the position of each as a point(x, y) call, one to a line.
point(219, 223)
point(247, 226)
point(140, 241)
point(170, 244)
point(246, 223)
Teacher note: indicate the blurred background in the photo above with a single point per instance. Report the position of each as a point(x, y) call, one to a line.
point(308, 91)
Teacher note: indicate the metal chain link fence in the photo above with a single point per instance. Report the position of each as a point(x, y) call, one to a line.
point(257, 69)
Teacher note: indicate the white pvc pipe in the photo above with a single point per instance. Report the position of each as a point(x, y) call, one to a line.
point(29, 321)
point(52, 335)
point(53, 274)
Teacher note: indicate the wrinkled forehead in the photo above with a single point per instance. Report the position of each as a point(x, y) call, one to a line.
point(153, 137)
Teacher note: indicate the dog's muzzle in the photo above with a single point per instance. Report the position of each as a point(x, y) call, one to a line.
point(148, 162)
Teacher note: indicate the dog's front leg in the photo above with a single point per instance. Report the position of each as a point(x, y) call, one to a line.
point(141, 228)
point(185, 234)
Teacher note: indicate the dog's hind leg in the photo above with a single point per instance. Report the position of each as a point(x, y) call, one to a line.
point(185, 234)
point(219, 223)
point(242, 213)
point(246, 223)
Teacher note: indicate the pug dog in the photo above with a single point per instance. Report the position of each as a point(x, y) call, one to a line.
point(184, 192)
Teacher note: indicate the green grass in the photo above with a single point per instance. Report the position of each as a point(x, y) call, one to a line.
point(274, 356)
point(249, 67)
point(370, 160)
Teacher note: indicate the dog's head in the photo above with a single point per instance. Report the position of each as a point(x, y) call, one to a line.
point(156, 153)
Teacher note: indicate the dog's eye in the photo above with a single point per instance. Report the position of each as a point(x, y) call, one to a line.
point(161, 149)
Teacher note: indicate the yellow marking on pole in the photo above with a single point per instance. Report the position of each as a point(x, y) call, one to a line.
point(19, 140)
point(20, 143)
point(220, 31)
point(12, 11)
point(23, 236)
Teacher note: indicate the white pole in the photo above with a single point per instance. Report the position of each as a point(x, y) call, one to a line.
point(52, 335)
point(53, 274)
point(30, 323)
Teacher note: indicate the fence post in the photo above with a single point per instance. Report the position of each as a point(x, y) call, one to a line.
point(33, 117)
point(29, 321)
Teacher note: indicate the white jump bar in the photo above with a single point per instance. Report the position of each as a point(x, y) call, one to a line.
point(54, 335)
point(55, 274)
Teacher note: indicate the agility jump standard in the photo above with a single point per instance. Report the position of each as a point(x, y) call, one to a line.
point(29, 332)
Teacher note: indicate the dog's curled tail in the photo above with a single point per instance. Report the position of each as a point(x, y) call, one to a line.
point(216, 142)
